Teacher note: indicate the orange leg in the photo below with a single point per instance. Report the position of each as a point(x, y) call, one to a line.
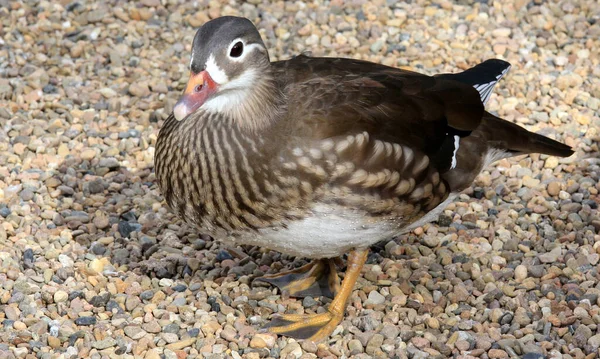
point(317, 327)
point(315, 279)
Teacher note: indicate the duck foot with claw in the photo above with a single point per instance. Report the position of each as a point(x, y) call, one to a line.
point(315, 279)
point(317, 327)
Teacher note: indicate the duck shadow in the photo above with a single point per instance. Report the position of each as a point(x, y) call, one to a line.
point(118, 213)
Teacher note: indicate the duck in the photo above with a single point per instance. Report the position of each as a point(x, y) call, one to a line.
point(322, 157)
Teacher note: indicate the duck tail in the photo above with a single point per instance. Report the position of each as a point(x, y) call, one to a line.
point(510, 137)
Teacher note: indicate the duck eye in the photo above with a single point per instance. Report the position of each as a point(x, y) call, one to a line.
point(237, 49)
point(198, 88)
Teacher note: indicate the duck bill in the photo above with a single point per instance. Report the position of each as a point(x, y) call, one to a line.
point(199, 87)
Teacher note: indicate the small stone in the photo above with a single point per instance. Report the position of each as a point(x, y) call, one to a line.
point(431, 241)
point(433, 323)
point(533, 356)
point(553, 189)
point(150, 3)
point(355, 347)
point(262, 341)
point(100, 300)
point(497, 354)
point(139, 89)
point(181, 344)
point(152, 327)
point(552, 256)
point(105, 343)
point(229, 334)
point(26, 194)
point(293, 349)
point(97, 265)
point(501, 32)
point(134, 332)
point(309, 346)
point(60, 296)
point(375, 298)
point(53, 342)
point(561, 60)
point(594, 341)
point(152, 354)
point(374, 344)
point(85, 321)
point(462, 345)
point(88, 154)
point(520, 273)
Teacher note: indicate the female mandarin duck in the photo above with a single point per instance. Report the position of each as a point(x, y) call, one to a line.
point(319, 157)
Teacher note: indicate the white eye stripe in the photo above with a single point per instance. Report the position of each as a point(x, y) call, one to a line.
point(246, 48)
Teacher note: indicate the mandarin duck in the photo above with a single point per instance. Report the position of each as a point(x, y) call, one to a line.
point(320, 157)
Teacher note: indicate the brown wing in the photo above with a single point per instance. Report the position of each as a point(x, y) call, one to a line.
point(334, 97)
point(390, 133)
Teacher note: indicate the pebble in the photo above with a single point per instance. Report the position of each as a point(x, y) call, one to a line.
point(60, 296)
point(85, 321)
point(105, 343)
point(375, 298)
point(355, 347)
point(520, 273)
point(497, 354)
point(292, 349)
point(181, 344)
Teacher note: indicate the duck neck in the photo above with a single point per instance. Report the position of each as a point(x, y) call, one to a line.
point(253, 101)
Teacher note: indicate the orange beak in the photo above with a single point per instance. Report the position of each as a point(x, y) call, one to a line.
point(199, 87)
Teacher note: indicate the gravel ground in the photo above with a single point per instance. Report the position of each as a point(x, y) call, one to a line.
point(92, 263)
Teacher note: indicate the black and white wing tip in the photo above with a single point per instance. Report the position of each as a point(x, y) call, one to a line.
point(482, 77)
point(485, 88)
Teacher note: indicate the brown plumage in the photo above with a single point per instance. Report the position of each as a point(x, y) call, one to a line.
point(320, 156)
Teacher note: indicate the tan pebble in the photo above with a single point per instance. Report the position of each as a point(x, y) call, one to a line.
point(267, 340)
point(181, 344)
point(139, 89)
point(76, 50)
point(257, 342)
point(430, 11)
point(530, 182)
point(53, 342)
point(551, 162)
point(97, 264)
point(433, 323)
point(553, 188)
point(121, 14)
point(88, 154)
point(63, 150)
point(19, 325)
point(145, 14)
point(33, 96)
point(497, 354)
point(501, 32)
point(499, 49)
point(60, 296)
point(19, 148)
point(462, 345)
point(152, 354)
point(120, 285)
point(520, 273)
